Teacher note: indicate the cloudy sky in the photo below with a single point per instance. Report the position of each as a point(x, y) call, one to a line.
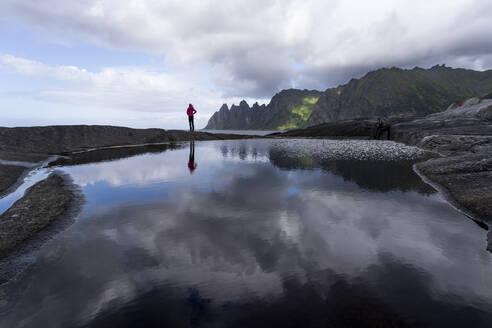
point(140, 62)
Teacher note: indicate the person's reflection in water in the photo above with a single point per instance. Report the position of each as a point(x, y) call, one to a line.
point(191, 162)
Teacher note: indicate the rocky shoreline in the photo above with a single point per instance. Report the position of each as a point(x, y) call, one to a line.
point(42, 204)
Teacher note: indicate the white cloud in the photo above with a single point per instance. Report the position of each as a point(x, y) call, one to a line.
point(114, 82)
point(139, 89)
point(218, 51)
point(256, 43)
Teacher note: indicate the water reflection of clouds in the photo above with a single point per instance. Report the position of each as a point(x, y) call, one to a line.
point(152, 168)
point(248, 236)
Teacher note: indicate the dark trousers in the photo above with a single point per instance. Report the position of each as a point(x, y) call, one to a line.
point(192, 125)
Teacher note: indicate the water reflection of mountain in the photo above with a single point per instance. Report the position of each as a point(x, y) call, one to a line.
point(112, 154)
point(380, 175)
point(368, 174)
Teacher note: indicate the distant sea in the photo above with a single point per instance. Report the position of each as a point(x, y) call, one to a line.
point(247, 132)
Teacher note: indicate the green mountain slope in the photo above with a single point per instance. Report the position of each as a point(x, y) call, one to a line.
point(288, 109)
point(392, 91)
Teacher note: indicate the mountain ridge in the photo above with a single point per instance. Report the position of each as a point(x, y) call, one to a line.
point(287, 108)
point(391, 91)
point(379, 93)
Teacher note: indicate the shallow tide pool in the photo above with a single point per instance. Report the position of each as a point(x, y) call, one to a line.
point(255, 233)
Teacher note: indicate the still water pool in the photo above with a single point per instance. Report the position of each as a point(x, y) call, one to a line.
point(255, 233)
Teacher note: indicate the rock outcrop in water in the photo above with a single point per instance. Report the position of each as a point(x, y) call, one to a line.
point(463, 136)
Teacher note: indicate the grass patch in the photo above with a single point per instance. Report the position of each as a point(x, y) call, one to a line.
point(299, 115)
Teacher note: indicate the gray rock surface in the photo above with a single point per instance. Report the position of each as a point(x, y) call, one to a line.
point(42, 204)
point(471, 118)
point(467, 178)
point(462, 134)
point(9, 176)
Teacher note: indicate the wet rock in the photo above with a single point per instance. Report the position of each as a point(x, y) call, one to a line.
point(467, 179)
point(9, 176)
point(464, 137)
point(41, 205)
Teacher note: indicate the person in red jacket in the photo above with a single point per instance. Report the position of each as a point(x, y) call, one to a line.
point(191, 111)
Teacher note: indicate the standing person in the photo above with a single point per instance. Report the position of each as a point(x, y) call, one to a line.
point(379, 128)
point(191, 111)
point(382, 127)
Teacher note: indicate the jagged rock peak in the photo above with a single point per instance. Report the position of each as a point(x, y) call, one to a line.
point(243, 103)
point(224, 108)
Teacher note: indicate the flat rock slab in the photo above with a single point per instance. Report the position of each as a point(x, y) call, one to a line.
point(452, 145)
point(24, 142)
point(9, 175)
point(42, 204)
point(16, 156)
point(465, 172)
point(467, 178)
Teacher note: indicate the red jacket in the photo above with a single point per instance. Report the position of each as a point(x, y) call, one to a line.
point(190, 111)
